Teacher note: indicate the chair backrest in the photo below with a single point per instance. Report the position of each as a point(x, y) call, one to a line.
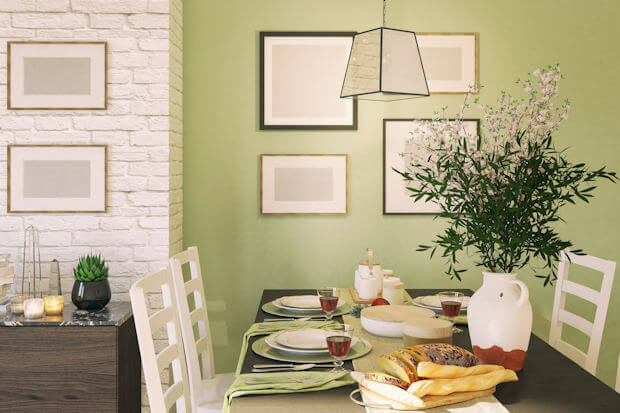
point(599, 298)
point(195, 320)
point(153, 363)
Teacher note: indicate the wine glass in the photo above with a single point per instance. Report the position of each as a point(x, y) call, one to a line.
point(329, 301)
point(451, 302)
point(339, 343)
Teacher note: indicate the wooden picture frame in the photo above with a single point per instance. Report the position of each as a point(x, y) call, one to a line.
point(56, 178)
point(56, 75)
point(316, 67)
point(396, 198)
point(323, 177)
point(450, 61)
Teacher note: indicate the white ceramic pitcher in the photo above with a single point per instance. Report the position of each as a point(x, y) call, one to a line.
point(499, 316)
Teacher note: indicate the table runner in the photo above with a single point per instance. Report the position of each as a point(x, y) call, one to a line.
point(382, 345)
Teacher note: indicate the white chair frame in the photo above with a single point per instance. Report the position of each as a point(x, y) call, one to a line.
point(203, 380)
point(599, 298)
point(178, 393)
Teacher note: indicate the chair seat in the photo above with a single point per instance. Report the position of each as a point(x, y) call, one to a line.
point(213, 400)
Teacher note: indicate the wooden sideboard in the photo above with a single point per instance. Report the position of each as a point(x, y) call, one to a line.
point(82, 361)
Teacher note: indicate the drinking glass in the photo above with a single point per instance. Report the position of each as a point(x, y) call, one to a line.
point(451, 302)
point(339, 343)
point(329, 301)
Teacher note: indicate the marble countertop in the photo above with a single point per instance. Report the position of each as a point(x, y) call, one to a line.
point(114, 314)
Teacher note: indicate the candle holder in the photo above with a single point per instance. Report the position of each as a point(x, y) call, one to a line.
point(53, 304)
point(17, 304)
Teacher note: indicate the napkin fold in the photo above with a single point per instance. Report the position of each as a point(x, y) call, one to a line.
point(459, 319)
point(258, 329)
point(285, 382)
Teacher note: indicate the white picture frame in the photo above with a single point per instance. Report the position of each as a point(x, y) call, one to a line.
point(301, 75)
point(396, 197)
point(56, 178)
point(450, 61)
point(295, 184)
point(56, 75)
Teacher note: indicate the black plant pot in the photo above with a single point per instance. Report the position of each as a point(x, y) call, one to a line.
point(92, 295)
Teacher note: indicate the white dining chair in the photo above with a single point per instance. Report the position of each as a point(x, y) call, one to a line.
point(599, 298)
point(153, 363)
point(207, 389)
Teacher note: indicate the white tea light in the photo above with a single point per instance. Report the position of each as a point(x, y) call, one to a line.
point(33, 308)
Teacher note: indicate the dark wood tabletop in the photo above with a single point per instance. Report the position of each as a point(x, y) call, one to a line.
point(549, 381)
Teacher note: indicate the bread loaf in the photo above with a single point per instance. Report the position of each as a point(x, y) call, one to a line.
point(441, 387)
point(409, 361)
point(430, 370)
point(397, 368)
point(381, 377)
point(441, 353)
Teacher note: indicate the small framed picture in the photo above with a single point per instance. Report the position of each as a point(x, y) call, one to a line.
point(56, 178)
point(398, 140)
point(450, 61)
point(56, 75)
point(303, 184)
point(301, 75)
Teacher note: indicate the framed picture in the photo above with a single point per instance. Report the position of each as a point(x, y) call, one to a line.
point(398, 139)
point(303, 184)
point(56, 75)
point(56, 178)
point(301, 75)
point(450, 61)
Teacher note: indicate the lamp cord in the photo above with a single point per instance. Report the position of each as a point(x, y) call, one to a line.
point(384, 12)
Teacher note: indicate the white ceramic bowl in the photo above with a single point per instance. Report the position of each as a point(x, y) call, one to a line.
point(389, 320)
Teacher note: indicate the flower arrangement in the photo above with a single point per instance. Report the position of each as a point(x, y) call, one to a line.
point(501, 192)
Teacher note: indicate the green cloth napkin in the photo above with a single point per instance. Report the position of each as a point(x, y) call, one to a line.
point(459, 319)
point(285, 382)
point(258, 329)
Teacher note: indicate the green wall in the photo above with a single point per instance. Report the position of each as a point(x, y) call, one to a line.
point(243, 252)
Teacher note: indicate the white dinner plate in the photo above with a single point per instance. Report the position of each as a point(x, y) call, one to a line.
point(280, 304)
point(272, 341)
point(306, 302)
point(433, 302)
point(306, 339)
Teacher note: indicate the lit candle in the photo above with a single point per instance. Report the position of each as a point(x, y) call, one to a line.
point(54, 304)
point(33, 308)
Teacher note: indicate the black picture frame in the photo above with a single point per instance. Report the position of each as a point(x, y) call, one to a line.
point(385, 121)
point(263, 125)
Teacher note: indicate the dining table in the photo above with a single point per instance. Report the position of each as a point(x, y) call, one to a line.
point(549, 381)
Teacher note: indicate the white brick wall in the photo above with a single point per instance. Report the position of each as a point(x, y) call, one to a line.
point(142, 128)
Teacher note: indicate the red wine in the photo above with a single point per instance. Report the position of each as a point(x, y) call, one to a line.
point(339, 345)
point(451, 308)
point(329, 304)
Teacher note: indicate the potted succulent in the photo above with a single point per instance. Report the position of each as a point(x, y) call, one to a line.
point(500, 195)
point(91, 289)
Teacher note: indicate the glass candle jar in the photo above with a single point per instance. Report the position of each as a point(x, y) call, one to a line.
point(33, 308)
point(17, 304)
point(54, 304)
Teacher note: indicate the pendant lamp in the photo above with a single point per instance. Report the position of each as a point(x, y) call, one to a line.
point(385, 65)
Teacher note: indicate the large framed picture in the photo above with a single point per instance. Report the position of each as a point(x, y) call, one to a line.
point(56, 75)
point(303, 184)
point(301, 75)
point(398, 140)
point(450, 61)
point(56, 178)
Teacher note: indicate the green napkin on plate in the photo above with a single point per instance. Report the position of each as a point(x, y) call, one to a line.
point(258, 329)
point(459, 319)
point(285, 382)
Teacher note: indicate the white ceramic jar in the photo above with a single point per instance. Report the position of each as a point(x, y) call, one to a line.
point(499, 318)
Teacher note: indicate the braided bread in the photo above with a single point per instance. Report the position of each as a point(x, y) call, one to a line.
point(430, 370)
point(441, 387)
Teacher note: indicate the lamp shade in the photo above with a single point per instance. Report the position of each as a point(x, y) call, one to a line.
point(384, 64)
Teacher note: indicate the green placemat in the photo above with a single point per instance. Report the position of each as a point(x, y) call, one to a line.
point(261, 348)
point(272, 309)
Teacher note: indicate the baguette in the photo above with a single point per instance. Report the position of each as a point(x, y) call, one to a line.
point(397, 368)
point(430, 370)
point(441, 353)
point(381, 377)
point(442, 387)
